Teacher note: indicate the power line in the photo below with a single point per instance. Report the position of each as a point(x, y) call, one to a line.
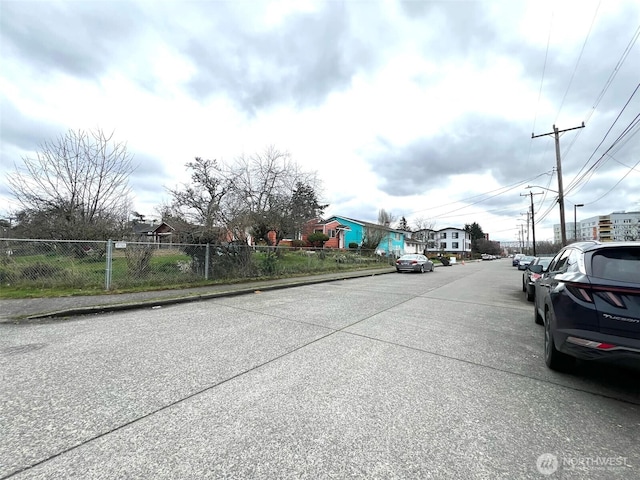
point(617, 183)
point(634, 124)
point(617, 144)
point(608, 83)
point(577, 180)
point(624, 137)
point(546, 190)
point(544, 69)
point(479, 201)
point(615, 71)
point(508, 187)
point(595, 14)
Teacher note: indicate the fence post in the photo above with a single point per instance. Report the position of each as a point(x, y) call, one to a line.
point(206, 263)
point(107, 273)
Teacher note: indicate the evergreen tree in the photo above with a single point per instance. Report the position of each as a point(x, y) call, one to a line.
point(475, 232)
point(403, 225)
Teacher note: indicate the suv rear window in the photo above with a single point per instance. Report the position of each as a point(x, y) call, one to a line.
point(622, 264)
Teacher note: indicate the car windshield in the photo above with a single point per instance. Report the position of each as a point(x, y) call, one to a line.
point(622, 264)
point(544, 261)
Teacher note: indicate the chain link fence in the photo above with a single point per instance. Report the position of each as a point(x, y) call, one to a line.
point(114, 265)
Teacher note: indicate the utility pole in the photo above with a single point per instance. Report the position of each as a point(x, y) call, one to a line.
point(533, 222)
point(528, 230)
point(527, 241)
point(521, 237)
point(556, 133)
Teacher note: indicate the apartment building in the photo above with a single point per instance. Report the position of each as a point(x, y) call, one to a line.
point(450, 241)
point(616, 226)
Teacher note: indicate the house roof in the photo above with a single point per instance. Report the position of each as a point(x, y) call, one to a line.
point(149, 228)
point(452, 228)
point(335, 217)
point(364, 224)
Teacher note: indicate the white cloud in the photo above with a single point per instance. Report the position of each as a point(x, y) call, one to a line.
point(403, 106)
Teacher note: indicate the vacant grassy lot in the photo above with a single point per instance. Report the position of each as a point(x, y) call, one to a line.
point(28, 272)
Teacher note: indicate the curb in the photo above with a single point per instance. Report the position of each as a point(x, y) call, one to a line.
point(117, 307)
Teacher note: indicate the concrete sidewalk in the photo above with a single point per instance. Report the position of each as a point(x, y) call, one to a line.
point(20, 310)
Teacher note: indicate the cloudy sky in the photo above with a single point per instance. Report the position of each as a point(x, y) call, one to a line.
point(423, 108)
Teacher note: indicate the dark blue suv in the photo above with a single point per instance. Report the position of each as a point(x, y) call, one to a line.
point(588, 299)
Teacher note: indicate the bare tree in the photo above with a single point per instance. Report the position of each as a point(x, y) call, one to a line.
point(80, 181)
point(425, 231)
point(372, 236)
point(385, 218)
point(269, 190)
point(630, 232)
point(421, 223)
point(254, 195)
point(200, 202)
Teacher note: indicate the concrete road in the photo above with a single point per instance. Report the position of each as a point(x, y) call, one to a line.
point(438, 375)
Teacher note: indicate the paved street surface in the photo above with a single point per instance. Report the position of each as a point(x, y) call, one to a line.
point(402, 376)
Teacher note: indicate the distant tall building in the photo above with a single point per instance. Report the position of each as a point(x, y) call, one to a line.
point(616, 226)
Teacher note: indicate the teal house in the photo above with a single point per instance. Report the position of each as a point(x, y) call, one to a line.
point(343, 231)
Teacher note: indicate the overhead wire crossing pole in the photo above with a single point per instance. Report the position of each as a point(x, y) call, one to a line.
point(533, 221)
point(556, 133)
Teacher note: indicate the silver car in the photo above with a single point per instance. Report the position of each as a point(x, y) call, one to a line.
point(414, 262)
point(525, 261)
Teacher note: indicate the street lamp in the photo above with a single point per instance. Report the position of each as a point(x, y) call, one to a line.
point(575, 221)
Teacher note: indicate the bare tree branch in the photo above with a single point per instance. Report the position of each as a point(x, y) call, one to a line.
point(81, 176)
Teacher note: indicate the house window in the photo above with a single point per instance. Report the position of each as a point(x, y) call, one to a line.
point(454, 235)
point(455, 245)
point(443, 235)
point(443, 245)
point(331, 233)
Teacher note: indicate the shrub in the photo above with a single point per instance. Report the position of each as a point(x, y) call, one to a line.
point(138, 259)
point(298, 243)
point(317, 239)
point(269, 264)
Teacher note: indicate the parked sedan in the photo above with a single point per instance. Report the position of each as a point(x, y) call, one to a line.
point(414, 262)
point(516, 259)
point(589, 303)
point(524, 261)
point(532, 274)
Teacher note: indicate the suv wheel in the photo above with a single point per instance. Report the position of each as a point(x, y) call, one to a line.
point(531, 295)
point(555, 359)
point(536, 316)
